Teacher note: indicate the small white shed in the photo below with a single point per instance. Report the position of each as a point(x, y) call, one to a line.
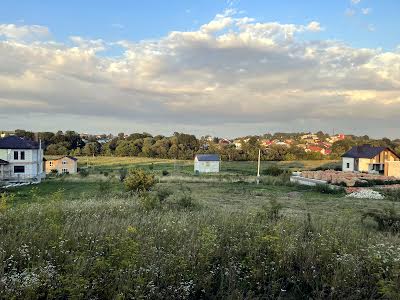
point(207, 163)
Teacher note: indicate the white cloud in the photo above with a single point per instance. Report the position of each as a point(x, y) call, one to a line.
point(350, 12)
point(366, 11)
point(355, 2)
point(234, 71)
point(117, 25)
point(314, 26)
point(15, 32)
point(371, 28)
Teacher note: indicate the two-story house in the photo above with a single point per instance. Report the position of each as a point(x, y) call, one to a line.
point(63, 165)
point(21, 160)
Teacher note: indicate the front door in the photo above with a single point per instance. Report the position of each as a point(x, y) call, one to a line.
point(356, 164)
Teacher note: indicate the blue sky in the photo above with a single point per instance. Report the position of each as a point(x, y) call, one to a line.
point(137, 20)
point(226, 68)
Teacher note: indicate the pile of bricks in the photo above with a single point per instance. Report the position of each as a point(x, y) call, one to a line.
point(348, 178)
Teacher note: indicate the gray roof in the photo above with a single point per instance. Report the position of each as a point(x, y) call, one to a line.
point(207, 157)
point(15, 142)
point(364, 151)
point(3, 162)
point(68, 156)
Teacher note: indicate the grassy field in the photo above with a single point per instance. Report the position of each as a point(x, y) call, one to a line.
point(111, 164)
point(220, 236)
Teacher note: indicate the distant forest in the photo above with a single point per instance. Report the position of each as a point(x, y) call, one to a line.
point(185, 146)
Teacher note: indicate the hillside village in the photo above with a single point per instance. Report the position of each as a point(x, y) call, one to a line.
point(274, 147)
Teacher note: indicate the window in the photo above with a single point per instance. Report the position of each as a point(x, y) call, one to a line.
point(15, 155)
point(64, 162)
point(348, 166)
point(65, 171)
point(19, 169)
point(22, 155)
point(51, 163)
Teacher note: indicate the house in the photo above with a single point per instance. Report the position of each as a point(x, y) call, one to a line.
point(64, 165)
point(207, 163)
point(313, 148)
point(21, 160)
point(377, 160)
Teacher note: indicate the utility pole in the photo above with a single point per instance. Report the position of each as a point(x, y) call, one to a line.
point(258, 167)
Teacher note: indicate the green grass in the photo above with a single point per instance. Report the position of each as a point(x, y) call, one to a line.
point(86, 238)
point(112, 164)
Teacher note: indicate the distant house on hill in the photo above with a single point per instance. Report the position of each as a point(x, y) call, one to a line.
point(366, 158)
point(207, 163)
point(21, 160)
point(64, 165)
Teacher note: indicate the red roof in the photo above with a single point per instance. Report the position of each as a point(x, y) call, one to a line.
point(314, 148)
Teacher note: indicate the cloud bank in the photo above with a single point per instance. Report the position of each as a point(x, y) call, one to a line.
point(231, 76)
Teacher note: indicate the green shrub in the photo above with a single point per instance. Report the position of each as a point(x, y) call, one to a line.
point(392, 194)
point(165, 173)
point(273, 171)
point(54, 172)
point(163, 194)
point(84, 172)
point(387, 220)
point(327, 189)
point(122, 174)
point(139, 181)
point(149, 201)
point(329, 166)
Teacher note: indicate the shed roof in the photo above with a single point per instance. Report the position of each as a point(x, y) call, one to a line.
point(15, 142)
point(207, 157)
point(3, 162)
point(365, 151)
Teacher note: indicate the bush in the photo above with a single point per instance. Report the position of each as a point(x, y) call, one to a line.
point(327, 189)
point(184, 198)
point(139, 181)
point(122, 174)
point(149, 201)
point(54, 172)
point(392, 194)
point(329, 166)
point(387, 220)
point(84, 172)
point(272, 211)
point(273, 171)
point(165, 173)
point(163, 194)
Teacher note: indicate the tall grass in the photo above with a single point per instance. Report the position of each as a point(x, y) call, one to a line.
point(108, 247)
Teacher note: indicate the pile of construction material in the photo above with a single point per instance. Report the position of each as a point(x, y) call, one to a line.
point(366, 194)
point(345, 178)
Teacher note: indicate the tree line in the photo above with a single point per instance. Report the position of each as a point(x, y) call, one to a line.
point(185, 146)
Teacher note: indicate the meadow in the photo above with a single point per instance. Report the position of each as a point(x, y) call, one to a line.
point(193, 237)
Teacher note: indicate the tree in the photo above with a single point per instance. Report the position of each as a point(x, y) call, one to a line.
point(91, 149)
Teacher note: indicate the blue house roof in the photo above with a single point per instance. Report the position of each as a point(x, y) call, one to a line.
point(364, 151)
point(15, 142)
point(207, 157)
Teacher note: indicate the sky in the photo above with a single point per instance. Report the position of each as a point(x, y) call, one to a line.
point(226, 68)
